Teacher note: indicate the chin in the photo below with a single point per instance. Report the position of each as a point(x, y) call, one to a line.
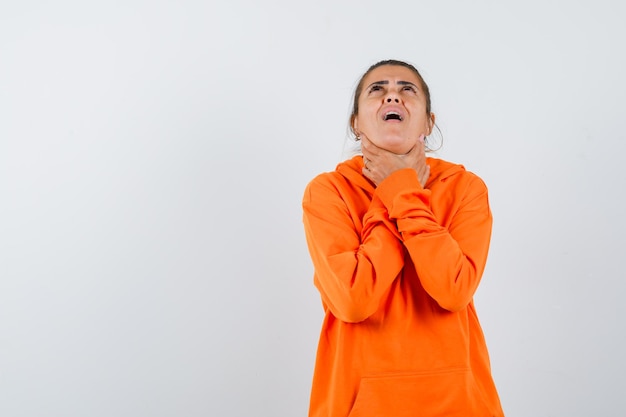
point(395, 144)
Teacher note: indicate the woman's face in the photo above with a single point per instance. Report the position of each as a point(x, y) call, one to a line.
point(392, 109)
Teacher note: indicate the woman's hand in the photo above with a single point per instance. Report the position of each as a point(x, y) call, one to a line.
point(380, 163)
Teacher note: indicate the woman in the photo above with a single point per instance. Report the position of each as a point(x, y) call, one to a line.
point(399, 242)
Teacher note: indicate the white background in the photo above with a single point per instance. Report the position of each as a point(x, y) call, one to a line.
point(153, 156)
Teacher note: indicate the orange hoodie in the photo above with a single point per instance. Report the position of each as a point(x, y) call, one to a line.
point(397, 266)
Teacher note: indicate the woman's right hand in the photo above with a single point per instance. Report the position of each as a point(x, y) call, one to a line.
point(379, 163)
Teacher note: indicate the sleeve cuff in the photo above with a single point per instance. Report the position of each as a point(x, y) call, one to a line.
point(400, 181)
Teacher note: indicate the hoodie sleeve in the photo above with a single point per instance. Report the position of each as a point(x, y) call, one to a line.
point(353, 269)
point(449, 260)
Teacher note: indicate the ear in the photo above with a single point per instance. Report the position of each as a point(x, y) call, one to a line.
point(354, 125)
point(431, 123)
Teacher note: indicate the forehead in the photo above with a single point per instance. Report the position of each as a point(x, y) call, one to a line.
point(391, 73)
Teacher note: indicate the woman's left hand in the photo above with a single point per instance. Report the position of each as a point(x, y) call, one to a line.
point(380, 163)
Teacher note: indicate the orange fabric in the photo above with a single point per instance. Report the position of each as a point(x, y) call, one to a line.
point(397, 266)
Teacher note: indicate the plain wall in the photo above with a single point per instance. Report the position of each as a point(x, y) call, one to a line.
point(153, 156)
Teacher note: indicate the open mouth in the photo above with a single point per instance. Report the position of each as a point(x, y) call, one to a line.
point(392, 115)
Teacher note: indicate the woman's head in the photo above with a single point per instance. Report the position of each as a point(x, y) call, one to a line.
point(391, 106)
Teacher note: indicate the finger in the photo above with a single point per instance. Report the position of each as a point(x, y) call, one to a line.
point(365, 143)
point(423, 143)
point(423, 178)
point(367, 153)
point(365, 172)
point(420, 143)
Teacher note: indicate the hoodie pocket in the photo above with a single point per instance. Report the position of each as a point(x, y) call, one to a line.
point(449, 393)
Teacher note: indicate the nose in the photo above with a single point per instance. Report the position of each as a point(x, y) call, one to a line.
point(392, 98)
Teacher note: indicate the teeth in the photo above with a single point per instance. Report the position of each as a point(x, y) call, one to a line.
point(393, 114)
